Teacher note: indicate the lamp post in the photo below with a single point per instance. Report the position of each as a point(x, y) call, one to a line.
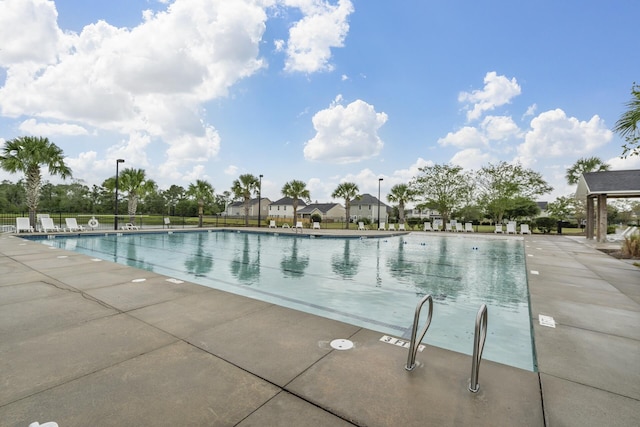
point(115, 222)
point(379, 181)
point(259, 199)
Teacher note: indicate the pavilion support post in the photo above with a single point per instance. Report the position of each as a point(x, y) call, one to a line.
point(602, 218)
point(590, 218)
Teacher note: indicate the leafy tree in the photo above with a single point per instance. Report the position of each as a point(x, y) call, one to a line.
point(296, 190)
point(172, 196)
point(562, 208)
point(583, 165)
point(135, 184)
point(221, 202)
point(202, 191)
point(243, 188)
point(522, 208)
point(28, 154)
point(502, 184)
point(347, 191)
point(401, 194)
point(443, 187)
point(627, 124)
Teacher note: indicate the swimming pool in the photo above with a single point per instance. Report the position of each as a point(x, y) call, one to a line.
point(375, 283)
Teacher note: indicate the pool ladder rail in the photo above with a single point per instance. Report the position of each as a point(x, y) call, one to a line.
point(480, 335)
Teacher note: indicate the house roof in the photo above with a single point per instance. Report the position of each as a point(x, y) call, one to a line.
point(288, 201)
point(366, 199)
point(619, 183)
point(252, 202)
point(322, 207)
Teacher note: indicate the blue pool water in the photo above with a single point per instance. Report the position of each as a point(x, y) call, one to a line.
point(375, 283)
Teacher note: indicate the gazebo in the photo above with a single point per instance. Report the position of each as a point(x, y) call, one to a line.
point(602, 186)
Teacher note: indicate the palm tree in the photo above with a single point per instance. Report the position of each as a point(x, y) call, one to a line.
point(242, 188)
point(202, 191)
point(296, 190)
point(136, 185)
point(28, 154)
point(346, 191)
point(627, 124)
point(583, 165)
point(401, 194)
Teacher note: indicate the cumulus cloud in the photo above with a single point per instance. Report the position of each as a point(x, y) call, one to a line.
point(499, 128)
point(345, 134)
point(472, 158)
point(468, 136)
point(553, 134)
point(497, 91)
point(32, 127)
point(324, 26)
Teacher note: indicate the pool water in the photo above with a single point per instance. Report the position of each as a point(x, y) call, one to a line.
point(374, 283)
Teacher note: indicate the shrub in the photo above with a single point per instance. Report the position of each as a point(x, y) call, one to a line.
point(545, 224)
point(631, 246)
point(611, 229)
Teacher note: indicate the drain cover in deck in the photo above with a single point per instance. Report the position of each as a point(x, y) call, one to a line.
point(342, 344)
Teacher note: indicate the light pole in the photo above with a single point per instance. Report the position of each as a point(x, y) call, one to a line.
point(379, 181)
point(115, 222)
point(259, 198)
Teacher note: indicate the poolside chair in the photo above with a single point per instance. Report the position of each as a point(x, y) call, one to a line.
point(285, 225)
point(401, 227)
point(511, 228)
point(427, 226)
point(498, 228)
point(468, 227)
point(272, 224)
point(47, 225)
point(130, 226)
point(381, 226)
point(316, 225)
point(361, 226)
point(72, 224)
point(392, 227)
point(524, 229)
point(298, 224)
point(459, 227)
point(22, 224)
point(448, 227)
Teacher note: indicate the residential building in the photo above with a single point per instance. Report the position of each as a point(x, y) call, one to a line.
point(283, 208)
point(237, 208)
point(367, 207)
point(327, 211)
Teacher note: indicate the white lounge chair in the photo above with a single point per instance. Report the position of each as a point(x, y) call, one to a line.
point(361, 226)
point(427, 226)
point(130, 226)
point(72, 224)
point(468, 227)
point(298, 224)
point(524, 229)
point(459, 227)
point(272, 224)
point(285, 225)
point(498, 228)
point(392, 227)
point(401, 227)
point(47, 225)
point(316, 225)
point(22, 224)
point(448, 227)
point(381, 226)
point(511, 228)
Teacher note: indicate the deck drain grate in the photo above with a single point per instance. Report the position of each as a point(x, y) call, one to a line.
point(342, 344)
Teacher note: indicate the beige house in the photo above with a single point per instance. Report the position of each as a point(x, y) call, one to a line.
point(327, 211)
point(237, 208)
point(367, 207)
point(283, 208)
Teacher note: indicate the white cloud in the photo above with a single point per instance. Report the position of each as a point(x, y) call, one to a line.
point(406, 175)
point(32, 127)
point(345, 134)
point(472, 158)
point(323, 27)
point(466, 137)
point(497, 91)
point(531, 110)
point(618, 163)
point(499, 128)
point(231, 170)
point(553, 134)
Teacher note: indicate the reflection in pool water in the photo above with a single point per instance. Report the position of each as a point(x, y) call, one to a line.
point(374, 283)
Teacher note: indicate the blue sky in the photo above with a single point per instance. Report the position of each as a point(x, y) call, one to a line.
point(323, 91)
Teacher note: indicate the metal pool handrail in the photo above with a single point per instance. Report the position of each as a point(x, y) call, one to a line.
point(479, 338)
point(413, 347)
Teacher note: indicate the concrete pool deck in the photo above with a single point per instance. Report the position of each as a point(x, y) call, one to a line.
point(88, 343)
